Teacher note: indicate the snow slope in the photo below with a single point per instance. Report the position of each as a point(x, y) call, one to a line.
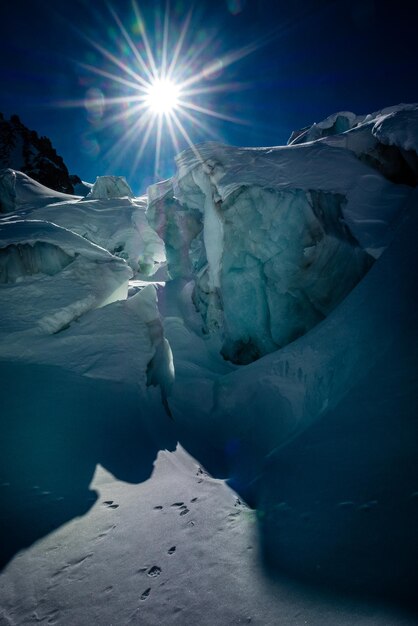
point(17, 191)
point(115, 513)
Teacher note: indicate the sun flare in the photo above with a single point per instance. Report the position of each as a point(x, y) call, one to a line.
point(162, 96)
point(155, 87)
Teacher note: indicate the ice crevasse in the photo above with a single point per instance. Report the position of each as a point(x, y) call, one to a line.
point(275, 238)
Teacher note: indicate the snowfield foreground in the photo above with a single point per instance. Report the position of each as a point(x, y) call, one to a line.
point(209, 394)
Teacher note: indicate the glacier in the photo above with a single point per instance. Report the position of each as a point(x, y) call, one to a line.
point(118, 225)
point(51, 276)
point(107, 187)
point(274, 238)
point(263, 299)
point(385, 140)
point(18, 190)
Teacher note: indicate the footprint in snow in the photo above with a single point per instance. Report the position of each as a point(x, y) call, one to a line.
point(146, 593)
point(184, 511)
point(154, 571)
point(110, 504)
point(171, 550)
point(158, 507)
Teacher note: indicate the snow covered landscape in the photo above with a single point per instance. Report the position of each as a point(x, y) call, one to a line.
point(209, 392)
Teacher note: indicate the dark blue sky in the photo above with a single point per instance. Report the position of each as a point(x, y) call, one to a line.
point(318, 57)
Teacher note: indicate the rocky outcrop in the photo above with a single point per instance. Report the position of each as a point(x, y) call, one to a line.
point(22, 149)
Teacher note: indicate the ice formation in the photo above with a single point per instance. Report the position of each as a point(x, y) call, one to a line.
point(333, 125)
point(319, 435)
point(50, 276)
point(119, 225)
point(385, 140)
point(107, 187)
point(266, 239)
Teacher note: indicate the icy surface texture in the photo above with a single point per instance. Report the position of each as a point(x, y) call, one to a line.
point(110, 187)
point(269, 260)
point(343, 373)
point(332, 125)
point(291, 389)
point(177, 225)
point(51, 276)
point(19, 191)
point(118, 225)
point(22, 260)
point(275, 238)
point(399, 128)
point(386, 140)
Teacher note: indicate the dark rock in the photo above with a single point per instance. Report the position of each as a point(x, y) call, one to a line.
point(22, 149)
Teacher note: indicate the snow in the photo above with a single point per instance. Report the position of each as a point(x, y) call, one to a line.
point(386, 140)
point(107, 187)
point(333, 125)
point(146, 562)
point(343, 121)
point(132, 450)
point(398, 128)
point(296, 385)
point(52, 276)
point(276, 255)
point(17, 191)
point(275, 238)
point(118, 225)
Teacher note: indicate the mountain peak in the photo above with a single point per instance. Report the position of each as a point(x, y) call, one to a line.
point(22, 149)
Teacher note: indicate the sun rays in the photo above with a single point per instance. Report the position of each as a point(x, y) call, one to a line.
point(156, 84)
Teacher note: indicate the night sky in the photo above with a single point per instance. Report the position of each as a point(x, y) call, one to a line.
point(310, 59)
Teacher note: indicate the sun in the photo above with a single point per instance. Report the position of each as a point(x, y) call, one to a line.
point(156, 86)
point(162, 96)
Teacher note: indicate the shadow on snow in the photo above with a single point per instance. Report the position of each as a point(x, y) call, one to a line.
point(55, 427)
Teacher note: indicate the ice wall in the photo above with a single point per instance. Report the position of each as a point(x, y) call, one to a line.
point(268, 263)
point(386, 140)
point(17, 262)
point(107, 187)
point(50, 276)
point(118, 225)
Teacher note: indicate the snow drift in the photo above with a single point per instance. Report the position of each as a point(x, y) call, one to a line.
point(19, 191)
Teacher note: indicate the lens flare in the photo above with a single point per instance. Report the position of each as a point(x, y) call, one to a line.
point(157, 85)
